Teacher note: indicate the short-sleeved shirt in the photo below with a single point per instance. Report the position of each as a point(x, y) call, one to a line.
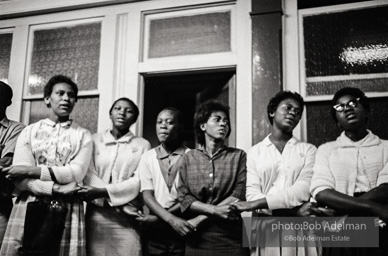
point(9, 132)
point(151, 176)
point(167, 161)
point(211, 179)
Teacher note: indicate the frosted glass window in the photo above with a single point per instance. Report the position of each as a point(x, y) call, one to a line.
point(185, 35)
point(73, 51)
point(5, 55)
point(347, 43)
point(85, 112)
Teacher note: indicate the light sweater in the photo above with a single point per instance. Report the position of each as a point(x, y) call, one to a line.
point(336, 164)
point(74, 169)
point(113, 166)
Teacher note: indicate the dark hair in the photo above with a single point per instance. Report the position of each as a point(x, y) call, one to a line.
point(48, 88)
point(355, 92)
point(135, 108)
point(279, 97)
point(203, 114)
point(177, 113)
point(6, 93)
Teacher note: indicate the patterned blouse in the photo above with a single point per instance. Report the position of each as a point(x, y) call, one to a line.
point(51, 145)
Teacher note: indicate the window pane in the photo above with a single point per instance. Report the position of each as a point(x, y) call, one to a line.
point(85, 112)
point(73, 51)
point(196, 34)
point(5, 55)
point(349, 42)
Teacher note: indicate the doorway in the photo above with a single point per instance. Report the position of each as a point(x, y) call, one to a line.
point(185, 91)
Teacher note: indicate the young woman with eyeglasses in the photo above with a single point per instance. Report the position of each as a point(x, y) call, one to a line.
point(351, 173)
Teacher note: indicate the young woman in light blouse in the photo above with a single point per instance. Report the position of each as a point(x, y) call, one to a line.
point(279, 171)
point(51, 157)
point(351, 173)
point(111, 186)
point(212, 177)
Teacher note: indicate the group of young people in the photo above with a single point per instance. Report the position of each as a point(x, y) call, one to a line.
point(172, 200)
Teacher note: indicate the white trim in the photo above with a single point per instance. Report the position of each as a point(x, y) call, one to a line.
point(131, 85)
point(16, 7)
point(291, 59)
point(81, 94)
point(346, 77)
point(122, 39)
point(140, 102)
point(64, 23)
point(302, 67)
point(6, 30)
point(243, 37)
point(16, 71)
point(342, 7)
point(106, 71)
point(188, 62)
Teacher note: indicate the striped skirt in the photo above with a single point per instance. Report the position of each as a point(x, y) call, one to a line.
point(73, 237)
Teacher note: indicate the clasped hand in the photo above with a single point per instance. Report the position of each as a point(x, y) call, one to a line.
point(229, 212)
point(19, 172)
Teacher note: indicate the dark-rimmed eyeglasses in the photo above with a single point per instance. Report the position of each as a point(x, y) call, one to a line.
point(350, 104)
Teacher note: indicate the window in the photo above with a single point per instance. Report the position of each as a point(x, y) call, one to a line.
point(68, 49)
point(178, 33)
point(354, 53)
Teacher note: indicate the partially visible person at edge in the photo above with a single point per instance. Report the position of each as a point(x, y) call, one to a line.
point(164, 227)
point(351, 173)
point(279, 171)
point(9, 132)
point(111, 186)
point(212, 177)
point(51, 157)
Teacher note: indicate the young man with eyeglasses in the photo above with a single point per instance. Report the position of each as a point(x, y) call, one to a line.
point(351, 173)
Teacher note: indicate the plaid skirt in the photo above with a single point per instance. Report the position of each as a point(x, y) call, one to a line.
point(73, 238)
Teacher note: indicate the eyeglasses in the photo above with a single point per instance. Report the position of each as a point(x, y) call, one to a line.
point(350, 104)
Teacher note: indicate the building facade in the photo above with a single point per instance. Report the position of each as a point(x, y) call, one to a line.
point(182, 52)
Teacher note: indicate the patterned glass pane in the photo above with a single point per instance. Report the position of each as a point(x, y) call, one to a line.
point(85, 112)
point(73, 51)
point(196, 34)
point(5, 55)
point(359, 45)
point(321, 127)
